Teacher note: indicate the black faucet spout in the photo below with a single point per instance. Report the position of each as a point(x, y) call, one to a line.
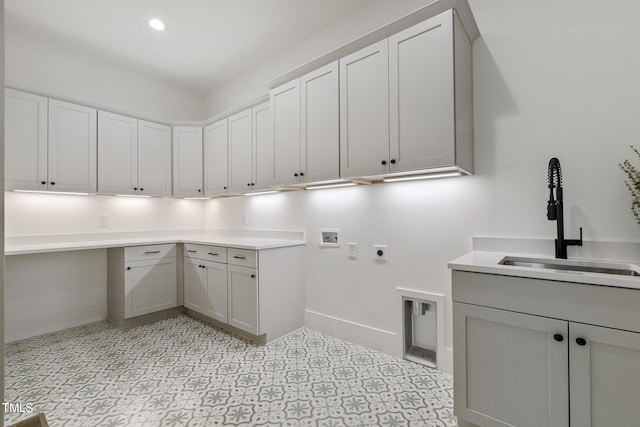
point(555, 209)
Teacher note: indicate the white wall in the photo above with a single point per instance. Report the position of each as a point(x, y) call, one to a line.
point(54, 291)
point(2, 205)
point(557, 79)
point(550, 80)
point(35, 214)
point(41, 66)
point(251, 84)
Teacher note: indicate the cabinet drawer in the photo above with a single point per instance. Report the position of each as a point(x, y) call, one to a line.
point(243, 257)
point(210, 253)
point(138, 253)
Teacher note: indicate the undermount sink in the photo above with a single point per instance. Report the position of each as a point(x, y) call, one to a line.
point(573, 265)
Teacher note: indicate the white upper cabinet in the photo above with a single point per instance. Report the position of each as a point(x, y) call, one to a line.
point(241, 159)
point(25, 141)
point(285, 108)
point(154, 159)
point(305, 128)
point(421, 76)
point(187, 161)
point(263, 146)
point(50, 144)
point(134, 156)
point(319, 124)
point(406, 102)
point(364, 111)
point(215, 158)
point(72, 161)
point(117, 154)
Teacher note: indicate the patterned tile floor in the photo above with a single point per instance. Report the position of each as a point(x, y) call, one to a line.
point(181, 372)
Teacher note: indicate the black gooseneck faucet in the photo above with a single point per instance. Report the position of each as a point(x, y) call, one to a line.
point(555, 209)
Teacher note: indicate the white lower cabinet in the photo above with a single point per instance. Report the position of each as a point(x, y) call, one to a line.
point(510, 371)
point(242, 297)
point(258, 292)
point(142, 280)
point(194, 285)
point(543, 368)
point(604, 376)
point(205, 282)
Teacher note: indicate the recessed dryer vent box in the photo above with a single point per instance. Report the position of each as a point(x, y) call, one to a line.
point(420, 331)
point(329, 237)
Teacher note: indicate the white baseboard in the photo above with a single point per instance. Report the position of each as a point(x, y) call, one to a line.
point(377, 339)
point(357, 333)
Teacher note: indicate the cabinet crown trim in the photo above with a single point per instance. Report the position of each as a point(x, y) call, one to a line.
point(459, 7)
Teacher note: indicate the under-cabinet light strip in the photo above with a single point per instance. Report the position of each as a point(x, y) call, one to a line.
point(335, 185)
point(258, 193)
point(53, 192)
point(419, 177)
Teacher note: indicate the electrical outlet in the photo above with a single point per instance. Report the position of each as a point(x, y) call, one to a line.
point(103, 221)
point(245, 219)
point(352, 250)
point(380, 252)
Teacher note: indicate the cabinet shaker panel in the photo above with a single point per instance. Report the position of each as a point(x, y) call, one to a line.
point(215, 159)
point(421, 78)
point(72, 162)
point(364, 111)
point(154, 159)
point(187, 161)
point(117, 154)
point(25, 141)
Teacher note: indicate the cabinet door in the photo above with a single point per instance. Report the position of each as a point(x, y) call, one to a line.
point(605, 376)
point(421, 93)
point(72, 147)
point(117, 154)
point(187, 161)
point(195, 288)
point(320, 130)
point(242, 298)
point(364, 111)
point(240, 152)
point(285, 115)
point(508, 368)
point(215, 158)
point(25, 141)
point(150, 286)
point(263, 146)
point(216, 289)
point(154, 159)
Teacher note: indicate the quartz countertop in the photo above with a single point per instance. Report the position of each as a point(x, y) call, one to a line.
point(488, 262)
point(243, 239)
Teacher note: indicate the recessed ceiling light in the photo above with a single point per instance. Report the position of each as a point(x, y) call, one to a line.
point(157, 24)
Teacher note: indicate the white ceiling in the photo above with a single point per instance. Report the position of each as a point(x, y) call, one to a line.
point(206, 43)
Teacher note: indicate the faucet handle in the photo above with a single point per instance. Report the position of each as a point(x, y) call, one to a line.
point(580, 244)
point(574, 242)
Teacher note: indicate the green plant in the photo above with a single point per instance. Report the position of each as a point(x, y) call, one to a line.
point(633, 184)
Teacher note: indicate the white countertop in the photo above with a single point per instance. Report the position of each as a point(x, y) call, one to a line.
point(243, 239)
point(488, 262)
